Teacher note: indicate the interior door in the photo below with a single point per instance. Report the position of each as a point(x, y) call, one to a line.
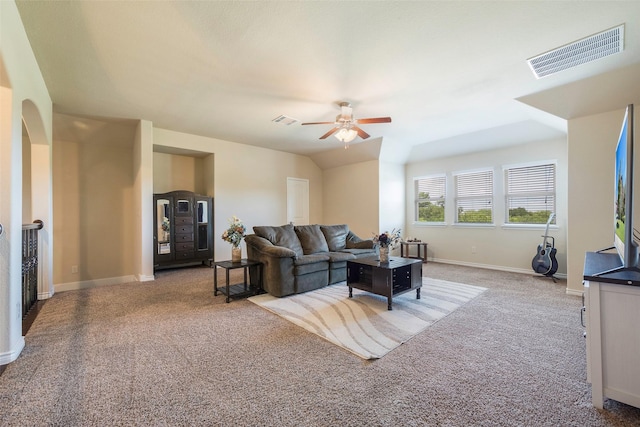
point(298, 201)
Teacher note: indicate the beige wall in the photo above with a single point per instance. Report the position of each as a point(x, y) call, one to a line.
point(249, 182)
point(592, 143)
point(95, 196)
point(494, 246)
point(351, 196)
point(172, 172)
point(93, 210)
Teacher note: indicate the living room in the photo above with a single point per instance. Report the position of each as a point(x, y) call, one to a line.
point(91, 187)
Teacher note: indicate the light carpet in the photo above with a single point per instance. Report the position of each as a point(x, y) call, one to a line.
point(362, 324)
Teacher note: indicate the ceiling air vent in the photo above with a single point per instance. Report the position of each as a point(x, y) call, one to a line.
point(579, 52)
point(285, 120)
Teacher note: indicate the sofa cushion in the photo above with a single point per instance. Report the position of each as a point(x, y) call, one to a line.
point(310, 264)
point(336, 236)
point(361, 253)
point(339, 259)
point(283, 235)
point(363, 244)
point(311, 239)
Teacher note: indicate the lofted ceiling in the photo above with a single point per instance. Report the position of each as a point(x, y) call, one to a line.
point(452, 75)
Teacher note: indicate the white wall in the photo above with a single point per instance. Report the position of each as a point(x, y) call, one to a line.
point(391, 201)
point(23, 93)
point(497, 247)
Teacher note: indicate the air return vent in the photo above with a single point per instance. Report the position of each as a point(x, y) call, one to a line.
point(285, 120)
point(579, 52)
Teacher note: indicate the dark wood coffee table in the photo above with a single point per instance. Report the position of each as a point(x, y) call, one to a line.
point(393, 278)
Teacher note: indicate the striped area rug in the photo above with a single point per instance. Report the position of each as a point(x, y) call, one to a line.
point(362, 324)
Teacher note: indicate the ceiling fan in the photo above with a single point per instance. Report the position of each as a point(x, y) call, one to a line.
point(346, 126)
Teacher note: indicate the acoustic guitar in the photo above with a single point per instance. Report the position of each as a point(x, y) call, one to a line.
point(545, 260)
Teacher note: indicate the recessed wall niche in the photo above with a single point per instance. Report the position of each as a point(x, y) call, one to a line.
point(181, 169)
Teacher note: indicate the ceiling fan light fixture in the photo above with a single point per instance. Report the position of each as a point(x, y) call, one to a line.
point(346, 135)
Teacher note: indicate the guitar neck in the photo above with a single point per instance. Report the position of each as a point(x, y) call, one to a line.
point(546, 231)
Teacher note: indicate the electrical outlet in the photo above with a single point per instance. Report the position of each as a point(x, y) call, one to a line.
point(74, 269)
point(473, 249)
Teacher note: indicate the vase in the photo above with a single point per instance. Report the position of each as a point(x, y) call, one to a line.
point(236, 254)
point(384, 254)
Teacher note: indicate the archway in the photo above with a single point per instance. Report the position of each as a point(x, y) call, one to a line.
point(37, 184)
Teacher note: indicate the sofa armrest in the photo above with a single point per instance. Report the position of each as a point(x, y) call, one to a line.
point(277, 265)
point(355, 242)
point(265, 247)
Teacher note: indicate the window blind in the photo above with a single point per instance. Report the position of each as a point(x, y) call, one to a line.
point(474, 197)
point(430, 198)
point(530, 193)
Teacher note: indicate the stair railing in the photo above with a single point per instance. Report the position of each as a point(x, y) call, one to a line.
point(30, 265)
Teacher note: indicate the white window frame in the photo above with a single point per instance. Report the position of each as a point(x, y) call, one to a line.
point(532, 192)
point(487, 196)
point(418, 200)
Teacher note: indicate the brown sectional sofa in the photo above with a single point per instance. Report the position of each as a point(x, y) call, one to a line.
point(298, 259)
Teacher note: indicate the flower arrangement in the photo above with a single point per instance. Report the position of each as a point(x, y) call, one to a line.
point(386, 239)
point(235, 232)
point(165, 224)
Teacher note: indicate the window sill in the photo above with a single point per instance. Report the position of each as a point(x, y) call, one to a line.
point(529, 227)
point(473, 225)
point(429, 224)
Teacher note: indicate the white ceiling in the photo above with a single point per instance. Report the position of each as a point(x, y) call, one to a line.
point(452, 75)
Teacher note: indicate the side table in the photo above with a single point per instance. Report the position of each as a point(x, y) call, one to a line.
point(239, 290)
point(422, 246)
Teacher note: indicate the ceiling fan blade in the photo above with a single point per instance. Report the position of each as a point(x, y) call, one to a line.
point(331, 132)
point(319, 123)
point(362, 134)
point(374, 120)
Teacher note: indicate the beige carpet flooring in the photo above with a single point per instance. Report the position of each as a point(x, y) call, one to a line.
point(169, 353)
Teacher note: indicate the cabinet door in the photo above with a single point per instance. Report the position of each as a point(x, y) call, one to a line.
point(183, 206)
point(162, 223)
point(382, 281)
point(203, 227)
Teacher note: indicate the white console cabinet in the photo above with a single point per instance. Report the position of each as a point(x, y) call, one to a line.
point(612, 312)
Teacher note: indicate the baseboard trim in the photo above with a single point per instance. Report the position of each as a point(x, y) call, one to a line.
point(491, 267)
point(10, 356)
point(44, 295)
point(574, 292)
point(145, 278)
point(86, 284)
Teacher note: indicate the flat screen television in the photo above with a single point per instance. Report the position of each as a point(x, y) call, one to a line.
point(624, 242)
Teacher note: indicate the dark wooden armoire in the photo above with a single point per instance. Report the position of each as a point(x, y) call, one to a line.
point(182, 229)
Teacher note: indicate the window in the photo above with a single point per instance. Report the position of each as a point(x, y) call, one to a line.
point(430, 197)
point(474, 197)
point(530, 193)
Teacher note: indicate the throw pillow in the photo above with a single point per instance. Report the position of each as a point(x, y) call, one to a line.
point(311, 239)
point(336, 236)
